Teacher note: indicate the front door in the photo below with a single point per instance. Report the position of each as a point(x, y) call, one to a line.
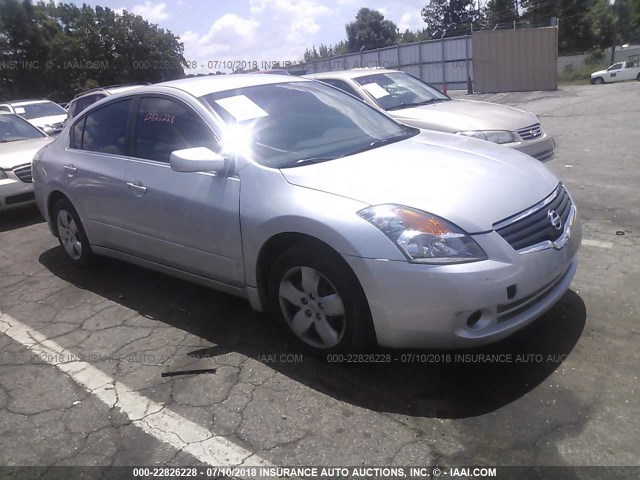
point(189, 221)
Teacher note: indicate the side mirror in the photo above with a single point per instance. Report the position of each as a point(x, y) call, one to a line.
point(199, 159)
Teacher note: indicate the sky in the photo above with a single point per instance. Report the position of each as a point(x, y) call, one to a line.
point(260, 30)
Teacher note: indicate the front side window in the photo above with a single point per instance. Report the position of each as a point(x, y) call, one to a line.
point(615, 66)
point(38, 110)
point(394, 91)
point(164, 125)
point(288, 124)
point(105, 129)
point(14, 128)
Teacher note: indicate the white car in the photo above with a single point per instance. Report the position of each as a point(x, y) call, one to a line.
point(48, 116)
point(618, 72)
point(19, 142)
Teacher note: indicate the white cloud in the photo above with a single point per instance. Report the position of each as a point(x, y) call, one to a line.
point(411, 20)
point(274, 30)
point(154, 13)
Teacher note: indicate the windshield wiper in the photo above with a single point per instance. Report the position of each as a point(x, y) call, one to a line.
point(12, 140)
point(415, 104)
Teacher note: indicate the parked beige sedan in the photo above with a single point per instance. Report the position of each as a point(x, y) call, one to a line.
point(415, 103)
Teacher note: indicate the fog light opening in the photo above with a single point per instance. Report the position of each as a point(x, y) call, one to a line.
point(474, 318)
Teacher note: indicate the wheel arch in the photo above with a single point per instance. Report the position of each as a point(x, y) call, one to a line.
point(52, 199)
point(278, 244)
point(274, 247)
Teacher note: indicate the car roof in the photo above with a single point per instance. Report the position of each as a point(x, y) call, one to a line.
point(111, 89)
point(200, 86)
point(20, 103)
point(346, 74)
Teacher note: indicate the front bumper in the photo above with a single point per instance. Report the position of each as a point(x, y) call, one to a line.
point(542, 148)
point(427, 306)
point(14, 192)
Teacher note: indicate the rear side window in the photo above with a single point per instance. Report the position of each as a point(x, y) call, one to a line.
point(164, 125)
point(84, 102)
point(4, 108)
point(104, 130)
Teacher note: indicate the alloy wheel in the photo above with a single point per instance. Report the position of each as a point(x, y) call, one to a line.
point(312, 307)
point(69, 235)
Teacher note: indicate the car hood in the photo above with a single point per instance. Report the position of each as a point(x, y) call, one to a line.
point(460, 115)
point(44, 121)
point(470, 182)
point(17, 153)
point(599, 72)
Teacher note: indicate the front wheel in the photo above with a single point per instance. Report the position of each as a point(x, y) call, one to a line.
point(319, 300)
point(598, 81)
point(71, 234)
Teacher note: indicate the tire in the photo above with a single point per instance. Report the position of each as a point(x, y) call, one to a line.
point(299, 280)
point(71, 234)
point(598, 81)
point(638, 77)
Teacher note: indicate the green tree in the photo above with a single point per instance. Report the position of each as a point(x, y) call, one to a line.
point(501, 12)
point(450, 18)
point(410, 37)
point(370, 30)
point(75, 48)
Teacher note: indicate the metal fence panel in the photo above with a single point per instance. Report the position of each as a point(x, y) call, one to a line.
point(445, 62)
point(505, 60)
point(516, 60)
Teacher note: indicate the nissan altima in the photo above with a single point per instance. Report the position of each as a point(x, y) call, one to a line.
point(347, 227)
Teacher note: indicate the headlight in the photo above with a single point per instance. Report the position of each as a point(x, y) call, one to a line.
point(422, 237)
point(3, 174)
point(495, 136)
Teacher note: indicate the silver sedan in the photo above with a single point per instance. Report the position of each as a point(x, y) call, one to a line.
point(413, 102)
point(349, 228)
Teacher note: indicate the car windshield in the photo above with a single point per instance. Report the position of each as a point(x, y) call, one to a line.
point(37, 110)
point(288, 124)
point(14, 128)
point(394, 91)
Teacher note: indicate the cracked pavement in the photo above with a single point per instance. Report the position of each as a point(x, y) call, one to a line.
point(576, 404)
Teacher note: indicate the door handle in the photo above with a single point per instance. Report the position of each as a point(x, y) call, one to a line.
point(137, 186)
point(70, 169)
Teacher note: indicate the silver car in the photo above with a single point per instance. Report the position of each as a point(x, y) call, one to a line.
point(19, 142)
point(413, 102)
point(346, 226)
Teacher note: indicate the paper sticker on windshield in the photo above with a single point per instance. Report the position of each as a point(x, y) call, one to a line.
point(376, 90)
point(242, 108)
point(19, 110)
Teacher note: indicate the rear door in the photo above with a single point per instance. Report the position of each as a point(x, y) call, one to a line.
point(94, 171)
point(189, 221)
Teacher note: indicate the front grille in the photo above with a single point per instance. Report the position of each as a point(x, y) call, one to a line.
point(534, 225)
point(57, 127)
point(24, 173)
point(531, 132)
